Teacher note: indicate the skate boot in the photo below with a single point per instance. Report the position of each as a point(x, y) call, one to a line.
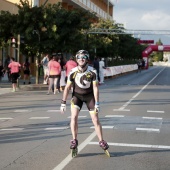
point(73, 147)
point(103, 144)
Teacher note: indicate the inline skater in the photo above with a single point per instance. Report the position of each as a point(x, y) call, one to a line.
point(85, 90)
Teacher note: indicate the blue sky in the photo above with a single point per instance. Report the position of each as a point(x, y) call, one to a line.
point(144, 15)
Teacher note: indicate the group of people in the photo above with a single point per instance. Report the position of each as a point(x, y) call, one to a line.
point(13, 70)
point(53, 67)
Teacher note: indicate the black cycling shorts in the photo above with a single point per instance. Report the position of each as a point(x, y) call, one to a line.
point(26, 72)
point(14, 77)
point(78, 100)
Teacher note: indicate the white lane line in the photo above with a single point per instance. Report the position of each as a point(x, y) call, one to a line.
point(78, 117)
point(114, 116)
point(5, 118)
point(53, 110)
point(69, 157)
point(155, 111)
point(104, 127)
point(122, 110)
point(148, 129)
point(157, 118)
point(13, 129)
point(138, 93)
point(57, 128)
point(22, 111)
point(134, 145)
point(39, 117)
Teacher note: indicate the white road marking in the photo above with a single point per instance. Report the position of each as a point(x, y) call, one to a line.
point(5, 118)
point(114, 116)
point(122, 110)
point(85, 110)
point(134, 145)
point(8, 129)
point(157, 118)
point(57, 128)
point(78, 117)
point(39, 117)
point(22, 110)
point(128, 102)
point(53, 110)
point(69, 157)
point(154, 111)
point(104, 127)
point(148, 129)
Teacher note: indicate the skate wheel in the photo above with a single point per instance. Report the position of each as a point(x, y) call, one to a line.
point(107, 153)
point(74, 152)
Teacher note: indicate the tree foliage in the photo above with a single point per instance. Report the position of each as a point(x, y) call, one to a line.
point(51, 28)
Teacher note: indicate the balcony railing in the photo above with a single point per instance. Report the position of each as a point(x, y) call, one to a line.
point(87, 4)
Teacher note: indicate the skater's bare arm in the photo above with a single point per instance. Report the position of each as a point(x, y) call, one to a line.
point(96, 92)
point(66, 91)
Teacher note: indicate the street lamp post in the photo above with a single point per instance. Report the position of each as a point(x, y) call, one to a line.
point(37, 64)
point(18, 53)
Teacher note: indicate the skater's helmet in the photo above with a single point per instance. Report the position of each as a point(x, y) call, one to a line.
point(86, 54)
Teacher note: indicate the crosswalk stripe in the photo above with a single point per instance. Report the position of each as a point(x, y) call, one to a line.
point(11, 129)
point(114, 116)
point(158, 118)
point(104, 127)
point(5, 118)
point(53, 110)
point(39, 117)
point(56, 128)
point(22, 110)
point(78, 117)
point(148, 129)
point(155, 111)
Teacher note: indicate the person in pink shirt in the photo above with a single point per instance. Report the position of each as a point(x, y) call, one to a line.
point(70, 64)
point(54, 73)
point(14, 69)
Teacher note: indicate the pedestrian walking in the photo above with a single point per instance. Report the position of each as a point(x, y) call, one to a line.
point(2, 70)
point(85, 83)
point(101, 70)
point(7, 62)
point(70, 64)
point(61, 60)
point(96, 66)
point(27, 70)
point(14, 69)
point(44, 62)
point(54, 73)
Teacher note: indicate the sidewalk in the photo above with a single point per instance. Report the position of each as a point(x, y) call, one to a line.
point(6, 87)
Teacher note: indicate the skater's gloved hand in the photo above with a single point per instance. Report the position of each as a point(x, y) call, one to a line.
point(63, 106)
point(97, 107)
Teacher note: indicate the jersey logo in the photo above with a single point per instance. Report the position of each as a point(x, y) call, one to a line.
point(83, 81)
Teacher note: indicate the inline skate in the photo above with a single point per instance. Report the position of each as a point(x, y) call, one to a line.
point(73, 147)
point(103, 144)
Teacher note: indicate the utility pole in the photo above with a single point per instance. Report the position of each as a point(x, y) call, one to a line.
point(107, 9)
point(37, 59)
point(18, 55)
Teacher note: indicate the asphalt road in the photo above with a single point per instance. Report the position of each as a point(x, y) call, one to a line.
point(134, 115)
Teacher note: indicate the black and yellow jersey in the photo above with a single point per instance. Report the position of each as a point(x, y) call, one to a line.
point(82, 81)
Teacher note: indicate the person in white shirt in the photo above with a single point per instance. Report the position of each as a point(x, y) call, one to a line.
point(44, 62)
point(101, 70)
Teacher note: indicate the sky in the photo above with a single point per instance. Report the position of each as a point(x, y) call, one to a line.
point(144, 15)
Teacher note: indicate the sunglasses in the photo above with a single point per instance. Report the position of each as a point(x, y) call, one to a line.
point(81, 57)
